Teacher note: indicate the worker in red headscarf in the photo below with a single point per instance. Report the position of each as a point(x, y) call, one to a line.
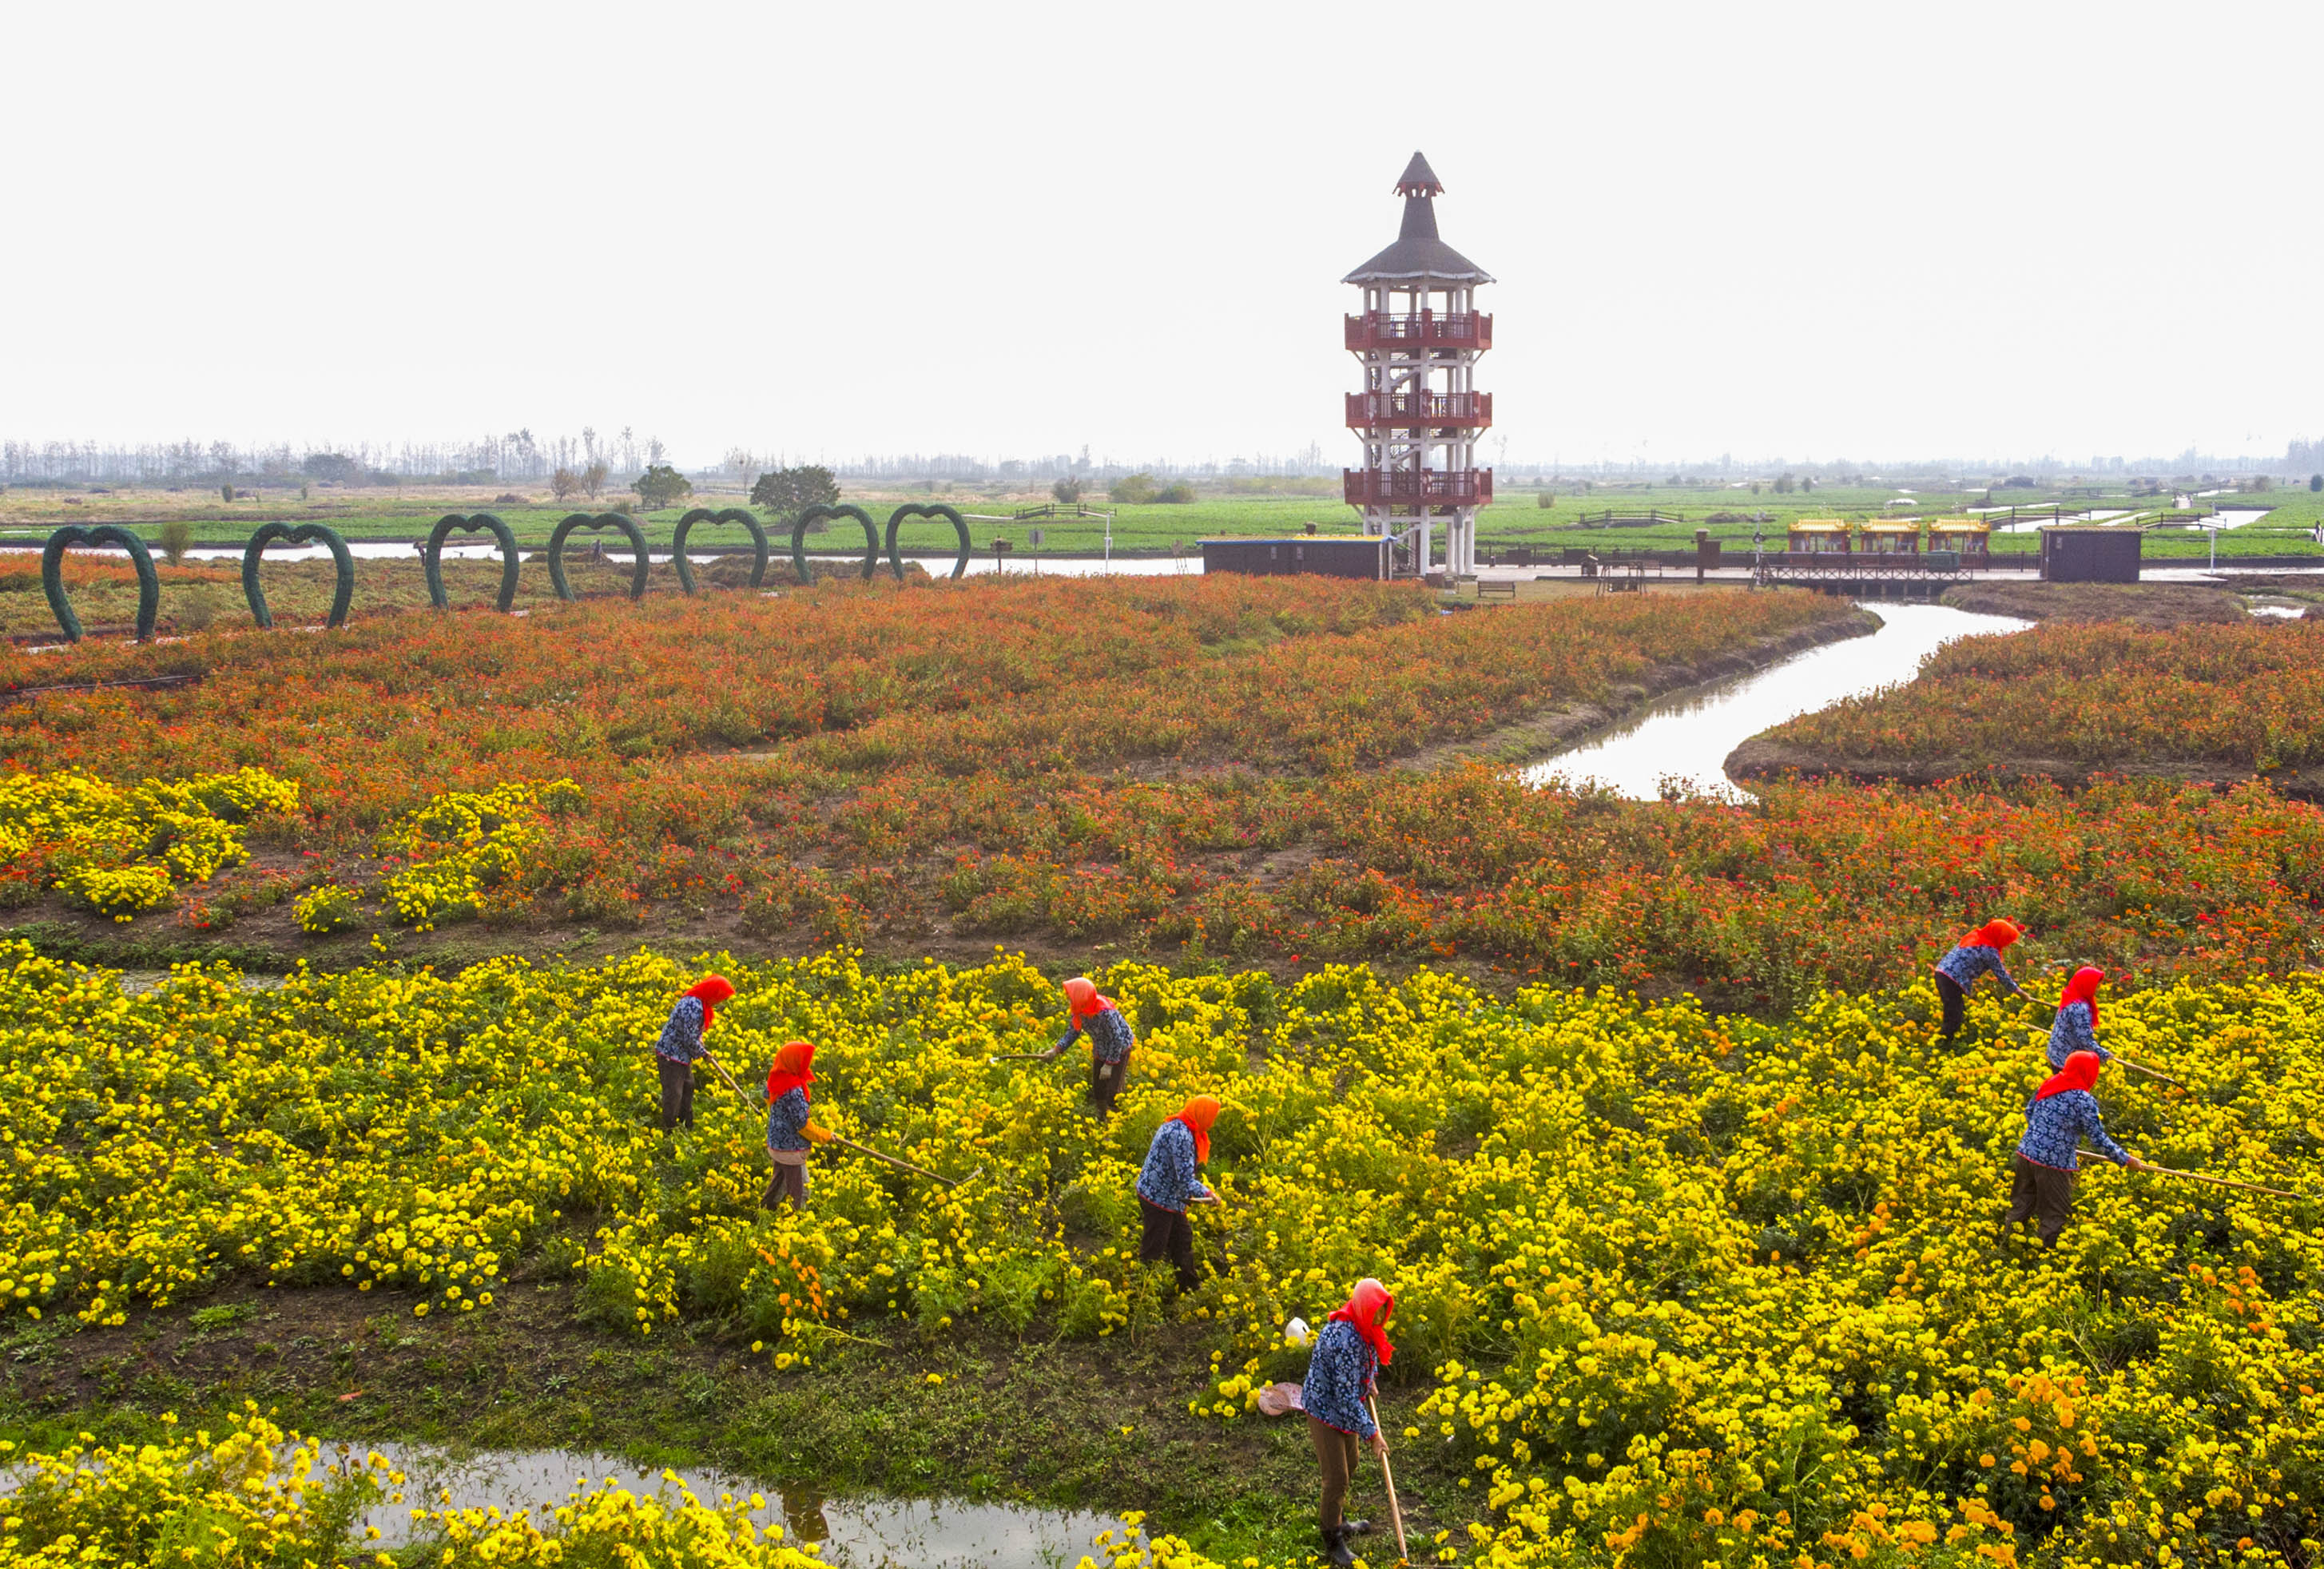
point(2076, 1028)
point(1969, 959)
point(1099, 1017)
point(791, 1128)
point(1343, 1370)
point(1167, 1183)
point(2060, 1115)
point(681, 1046)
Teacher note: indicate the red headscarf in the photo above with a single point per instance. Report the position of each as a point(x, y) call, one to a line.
point(793, 1070)
point(2080, 1072)
point(1996, 935)
point(710, 992)
point(2084, 988)
point(1200, 1113)
point(1368, 1309)
point(1082, 992)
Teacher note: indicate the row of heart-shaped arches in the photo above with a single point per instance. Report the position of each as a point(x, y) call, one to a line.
point(431, 556)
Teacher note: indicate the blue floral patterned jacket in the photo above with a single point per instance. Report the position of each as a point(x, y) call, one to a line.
point(681, 1038)
point(1109, 1035)
point(1168, 1179)
point(2055, 1126)
point(785, 1118)
point(2072, 1031)
point(1966, 963)
point(1340, 1371)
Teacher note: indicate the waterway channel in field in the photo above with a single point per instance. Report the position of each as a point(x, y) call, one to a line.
point(1683, 740)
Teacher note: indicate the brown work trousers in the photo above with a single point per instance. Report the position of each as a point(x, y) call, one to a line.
point(788, 1180)
point(1105, 1084)
point(1169, 1234)
point(1337, 1451)
point(2042, 1193)
point(677, 1093)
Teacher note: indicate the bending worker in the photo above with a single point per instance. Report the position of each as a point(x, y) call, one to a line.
point(1341, 1371)
point(1167, 1183)
point(790, 1127)
point(1108, 1036)
point(2061, 1113)
point(1971, 958)
point(2076, 1028)
point(681, 1046)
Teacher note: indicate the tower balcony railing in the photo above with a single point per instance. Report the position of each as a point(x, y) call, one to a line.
point(1426, 330)
point(1455, 487)
point(1371, 410)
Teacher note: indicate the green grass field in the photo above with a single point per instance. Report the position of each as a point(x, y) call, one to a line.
point(1518, 518)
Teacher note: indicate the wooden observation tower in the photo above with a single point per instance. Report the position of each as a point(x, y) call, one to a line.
point(1420, 413)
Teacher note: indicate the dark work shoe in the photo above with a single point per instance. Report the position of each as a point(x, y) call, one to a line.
point(1335, 1548)
point(1357, 1528)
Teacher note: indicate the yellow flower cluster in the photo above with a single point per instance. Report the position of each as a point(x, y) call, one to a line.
point(120, 851)
point(254, 1496)
point(463, 846)
point(609, 1524)
point(328, 908)
point(257, 1496)
point(1690, 1288)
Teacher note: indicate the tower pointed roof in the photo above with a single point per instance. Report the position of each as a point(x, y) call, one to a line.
point(1417, 252)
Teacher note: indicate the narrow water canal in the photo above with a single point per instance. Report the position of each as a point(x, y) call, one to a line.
point(856, 1533)
point(1685, 737)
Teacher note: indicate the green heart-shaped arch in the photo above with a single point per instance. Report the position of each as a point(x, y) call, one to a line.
point(919, 509)
point(730, 515)
point(819, 511)
point(601, 520)
point(342, 595)
point(431, 556)
point(53, 575)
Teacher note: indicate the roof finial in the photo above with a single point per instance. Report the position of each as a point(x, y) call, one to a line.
point(1419, 180)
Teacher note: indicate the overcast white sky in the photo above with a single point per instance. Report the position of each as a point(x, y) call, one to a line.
point(1007, 229)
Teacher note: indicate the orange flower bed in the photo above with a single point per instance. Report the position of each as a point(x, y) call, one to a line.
point(1196, 762)
point(2247, 693)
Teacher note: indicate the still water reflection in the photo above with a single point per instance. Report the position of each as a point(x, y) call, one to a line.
point(856, 1533)
point(1686, 737)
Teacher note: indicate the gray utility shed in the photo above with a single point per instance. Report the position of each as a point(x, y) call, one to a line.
point(1339, 556)
point(2089, 553)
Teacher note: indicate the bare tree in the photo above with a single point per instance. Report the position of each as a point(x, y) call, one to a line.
point(564, 483)
point(593, 480)
point(745, 466)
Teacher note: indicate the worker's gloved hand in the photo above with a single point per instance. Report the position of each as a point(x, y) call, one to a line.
point(817, 1134)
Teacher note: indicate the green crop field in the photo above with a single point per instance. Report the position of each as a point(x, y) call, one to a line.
point(1284, 507)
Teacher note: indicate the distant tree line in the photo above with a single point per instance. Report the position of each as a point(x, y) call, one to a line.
point(1139, 489)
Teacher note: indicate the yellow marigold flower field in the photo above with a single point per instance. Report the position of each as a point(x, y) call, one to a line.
point(1682, 1288)
point(122, 850)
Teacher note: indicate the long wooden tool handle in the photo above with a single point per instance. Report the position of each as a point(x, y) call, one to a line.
point(2140, 1067)
point(908, 1165)
point(723, 1074)
point(2224, 1181)
point(1395, 1510)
